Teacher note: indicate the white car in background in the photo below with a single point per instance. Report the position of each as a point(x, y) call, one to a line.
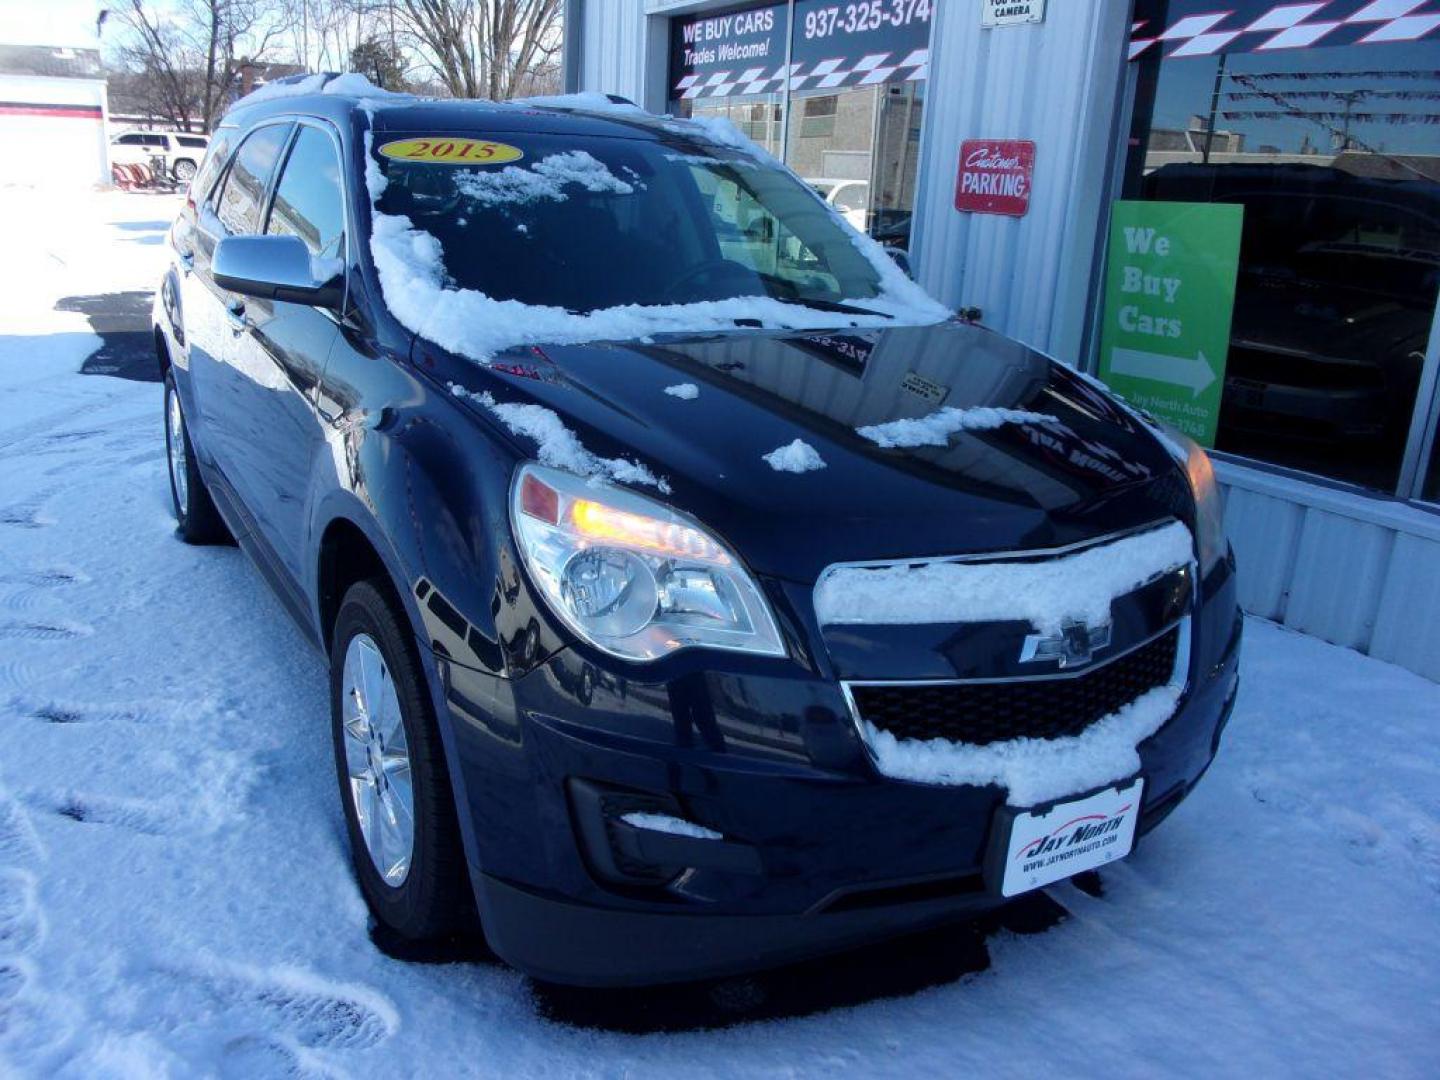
point(850, 197)
point(182, 153)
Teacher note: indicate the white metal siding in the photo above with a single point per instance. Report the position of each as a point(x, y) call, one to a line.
point(612, 57)
point(1357, 571)
point(1056, 83)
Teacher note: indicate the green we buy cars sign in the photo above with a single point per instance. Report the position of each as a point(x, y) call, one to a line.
point(1169, 294)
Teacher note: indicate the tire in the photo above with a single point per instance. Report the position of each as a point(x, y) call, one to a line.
point(184, 170)
point(196, 519)
point(429, 897)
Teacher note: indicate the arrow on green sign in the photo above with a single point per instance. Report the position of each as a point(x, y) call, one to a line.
point(1194, 374)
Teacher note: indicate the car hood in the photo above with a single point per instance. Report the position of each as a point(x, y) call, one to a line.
point(1091, 470)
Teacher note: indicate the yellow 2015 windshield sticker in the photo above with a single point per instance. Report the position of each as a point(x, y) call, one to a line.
point(444, 150)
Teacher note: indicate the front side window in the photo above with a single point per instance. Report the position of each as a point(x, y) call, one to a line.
point(243, 189)
point(308, 200)
point(194, 142)
point(595, 223)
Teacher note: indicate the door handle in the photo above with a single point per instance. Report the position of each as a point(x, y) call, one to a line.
point(235, 316)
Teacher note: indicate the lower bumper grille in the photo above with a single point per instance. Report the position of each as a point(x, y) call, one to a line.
point(983, 712)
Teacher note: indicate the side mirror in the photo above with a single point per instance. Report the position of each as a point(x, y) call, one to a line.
point(278, 268)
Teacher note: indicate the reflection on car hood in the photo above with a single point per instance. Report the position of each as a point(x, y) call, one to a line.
point(1090, 471)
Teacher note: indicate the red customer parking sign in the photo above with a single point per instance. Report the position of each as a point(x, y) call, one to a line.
point(995, 176)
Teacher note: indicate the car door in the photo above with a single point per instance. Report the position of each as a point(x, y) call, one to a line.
point(213, 315)
point(279, 357)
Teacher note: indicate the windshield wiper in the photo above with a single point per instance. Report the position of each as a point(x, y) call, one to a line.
point(832, 305)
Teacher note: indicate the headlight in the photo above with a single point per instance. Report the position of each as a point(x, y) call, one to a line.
point(1209, 512)
point(630, 575)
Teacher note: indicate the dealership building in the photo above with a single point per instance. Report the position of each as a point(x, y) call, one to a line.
point(1227, 209)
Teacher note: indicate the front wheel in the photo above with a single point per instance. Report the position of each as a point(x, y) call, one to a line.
point(184, 170)
point(196, 519)
point(394, 784)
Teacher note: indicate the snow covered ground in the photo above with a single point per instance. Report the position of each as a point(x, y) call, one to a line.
point(175, 898)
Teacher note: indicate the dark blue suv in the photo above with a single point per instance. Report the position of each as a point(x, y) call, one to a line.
point(698, 594)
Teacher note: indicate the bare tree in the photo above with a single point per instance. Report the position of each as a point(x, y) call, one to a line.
point(187, 58)
point(481, 48)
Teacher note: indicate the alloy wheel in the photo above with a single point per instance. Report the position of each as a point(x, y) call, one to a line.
point(377, 760)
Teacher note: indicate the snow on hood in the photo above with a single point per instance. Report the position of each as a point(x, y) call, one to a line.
point(411, 269)
point(558, 446)
point(936, 429)
point(795, 457)
point(1045, 594)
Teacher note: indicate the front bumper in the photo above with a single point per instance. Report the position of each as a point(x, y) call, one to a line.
point(822, 852)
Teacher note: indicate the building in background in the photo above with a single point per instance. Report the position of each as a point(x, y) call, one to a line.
point(52, 116)
point(1004, 144)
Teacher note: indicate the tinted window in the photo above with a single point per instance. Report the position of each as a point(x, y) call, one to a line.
point(130, 140)
point(243, 190)
point(191, 141)
point(595, 223)
point(308, 200)
point(216, 154)
point(153, 140)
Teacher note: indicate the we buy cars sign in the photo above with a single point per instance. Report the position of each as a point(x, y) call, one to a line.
point(995, 176)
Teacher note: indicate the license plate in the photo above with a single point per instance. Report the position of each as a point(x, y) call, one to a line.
point(1040, 847)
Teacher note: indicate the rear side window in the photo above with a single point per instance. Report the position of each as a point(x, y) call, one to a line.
point(154, 140)
point(308, 200)
point(216, 155)
point(130, 140)
point(243, 189)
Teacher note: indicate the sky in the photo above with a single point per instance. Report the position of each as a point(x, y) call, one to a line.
point(51, 22)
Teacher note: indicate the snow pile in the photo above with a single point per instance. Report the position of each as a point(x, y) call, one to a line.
point(797, 457)
point(673, 825)
point(1032, 770)
point(1045, 594)
point(558, 446)
point(685, 391)
point(936, 429)
point(545, 180)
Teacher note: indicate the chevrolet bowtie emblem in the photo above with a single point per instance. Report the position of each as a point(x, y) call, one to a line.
point(1075, 645)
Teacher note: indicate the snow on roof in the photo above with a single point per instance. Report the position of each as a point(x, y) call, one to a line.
point(558, 446)
point(1044, 594)
point(685, 391)
point(588, 100)
point(936, 428)
point(796, 457)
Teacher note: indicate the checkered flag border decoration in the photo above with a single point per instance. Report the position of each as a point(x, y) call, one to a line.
point(824, 75)
point(1288, 26)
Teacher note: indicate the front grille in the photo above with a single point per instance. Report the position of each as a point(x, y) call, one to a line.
point(980, 713)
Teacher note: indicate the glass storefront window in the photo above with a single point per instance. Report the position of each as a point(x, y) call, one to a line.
point(1334, 154)
point(837, 91)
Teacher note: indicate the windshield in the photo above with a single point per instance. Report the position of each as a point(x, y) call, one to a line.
point(592, 223)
